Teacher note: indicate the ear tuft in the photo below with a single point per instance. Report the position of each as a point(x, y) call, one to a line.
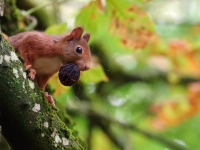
point(86, 36)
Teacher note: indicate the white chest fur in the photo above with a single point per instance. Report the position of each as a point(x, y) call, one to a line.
point(47, 65)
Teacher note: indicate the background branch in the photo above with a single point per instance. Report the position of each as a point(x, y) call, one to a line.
point(102, 118)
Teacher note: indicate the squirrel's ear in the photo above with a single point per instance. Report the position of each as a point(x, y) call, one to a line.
point(86, 36)
point(76, 33)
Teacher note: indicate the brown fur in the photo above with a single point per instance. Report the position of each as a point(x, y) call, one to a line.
point(45, 54)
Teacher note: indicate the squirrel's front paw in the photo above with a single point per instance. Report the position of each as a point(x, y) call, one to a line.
point(32, 72)
point(49, 98)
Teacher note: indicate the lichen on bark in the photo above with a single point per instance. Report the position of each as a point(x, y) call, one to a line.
point(28, 121)
point(15, 20)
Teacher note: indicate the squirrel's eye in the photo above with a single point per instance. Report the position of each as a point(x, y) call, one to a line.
point(79, 50)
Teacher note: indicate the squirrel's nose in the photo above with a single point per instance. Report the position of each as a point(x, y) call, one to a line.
point(86, 67)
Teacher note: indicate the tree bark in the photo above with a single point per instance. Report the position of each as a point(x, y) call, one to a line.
point(28, 121)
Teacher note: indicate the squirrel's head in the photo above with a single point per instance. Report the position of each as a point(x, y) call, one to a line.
point(76, 49)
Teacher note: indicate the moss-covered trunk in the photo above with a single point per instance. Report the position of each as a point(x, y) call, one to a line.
point(28, 121)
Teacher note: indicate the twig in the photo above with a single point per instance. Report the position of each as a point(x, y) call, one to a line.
point(110, 134)
point(34, 9)
point(89, 139)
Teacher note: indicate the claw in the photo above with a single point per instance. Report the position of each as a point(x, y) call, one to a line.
point(32, 72)
point(49, 98)
point(28, 67)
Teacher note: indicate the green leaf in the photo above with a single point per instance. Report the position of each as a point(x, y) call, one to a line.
point(124, 23)
point(94, 75)
point(57, 29)
point(187, 132)
point(122, 29)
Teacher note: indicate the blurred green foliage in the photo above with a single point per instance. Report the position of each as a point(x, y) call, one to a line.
point(146, 82)
point(142, 91)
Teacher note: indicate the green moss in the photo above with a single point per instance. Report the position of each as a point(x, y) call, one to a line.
point(13, 20)
point(18, 117)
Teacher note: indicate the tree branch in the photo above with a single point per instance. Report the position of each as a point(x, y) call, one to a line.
point(28, 121)
point(83, 108)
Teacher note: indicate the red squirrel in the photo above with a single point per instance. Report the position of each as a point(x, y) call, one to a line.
point(44, 54)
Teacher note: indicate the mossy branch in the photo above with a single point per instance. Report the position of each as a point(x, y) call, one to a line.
point(28, 121)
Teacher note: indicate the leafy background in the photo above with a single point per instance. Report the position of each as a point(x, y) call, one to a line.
point(143, 90)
